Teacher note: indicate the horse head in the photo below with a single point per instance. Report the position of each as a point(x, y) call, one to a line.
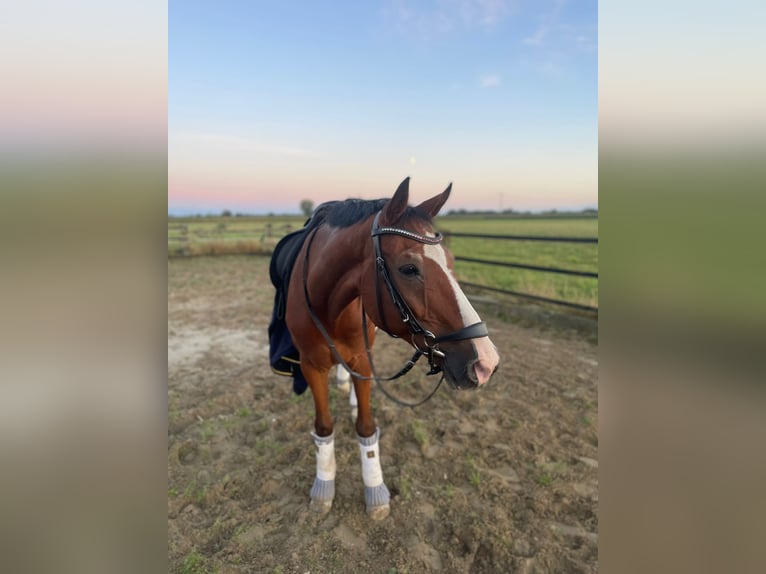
point(411, 292)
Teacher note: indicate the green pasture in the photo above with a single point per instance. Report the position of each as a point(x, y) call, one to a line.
point(575, 256)
point(259, 234)
point(231, 228)
point(220, 235)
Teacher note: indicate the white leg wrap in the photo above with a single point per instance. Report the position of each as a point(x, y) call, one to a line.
point(342, 375)
point(343, 379)
point(323, 489)
point(375, 492)
point(354, 405)
point(370, 452)
point(325, 456)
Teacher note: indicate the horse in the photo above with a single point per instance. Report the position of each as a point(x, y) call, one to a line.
point(365, 265)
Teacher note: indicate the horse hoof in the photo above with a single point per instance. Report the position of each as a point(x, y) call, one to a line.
point(378, 512)
point(321, 507)
point(344, 387)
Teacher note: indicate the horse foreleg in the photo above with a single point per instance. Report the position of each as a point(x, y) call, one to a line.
point(323, 489)
point(376, 495)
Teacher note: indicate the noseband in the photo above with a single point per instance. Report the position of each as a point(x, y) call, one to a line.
point(430, 341)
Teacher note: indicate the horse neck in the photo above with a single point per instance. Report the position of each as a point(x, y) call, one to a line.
point(332, 286)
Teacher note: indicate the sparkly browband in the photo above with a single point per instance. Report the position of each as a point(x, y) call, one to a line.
point(408, 234)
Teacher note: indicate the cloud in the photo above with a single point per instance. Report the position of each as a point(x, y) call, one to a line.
point(550, 68)
point(483, 12)
point(441, 17)
point(558, 5)
point(537, 38)
point(585, 43)
point(489, 81)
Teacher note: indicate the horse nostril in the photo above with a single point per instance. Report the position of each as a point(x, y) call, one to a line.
point(482, 372)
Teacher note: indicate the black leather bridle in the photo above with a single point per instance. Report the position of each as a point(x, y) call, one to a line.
point(430, 341)
point(430, 347)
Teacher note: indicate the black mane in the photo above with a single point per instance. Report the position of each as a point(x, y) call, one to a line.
point(350, 211)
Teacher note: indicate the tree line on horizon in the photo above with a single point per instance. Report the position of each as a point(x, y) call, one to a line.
point(306, 210)
point(307, 207)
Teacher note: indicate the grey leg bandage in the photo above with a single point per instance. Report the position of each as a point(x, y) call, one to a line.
point(324, 484)
point(375, 491)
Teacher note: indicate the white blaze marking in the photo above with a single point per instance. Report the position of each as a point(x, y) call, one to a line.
point(486, 352)
point(467, 312)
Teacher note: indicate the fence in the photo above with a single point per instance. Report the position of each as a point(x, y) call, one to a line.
point(539, 268)
point(182, 234)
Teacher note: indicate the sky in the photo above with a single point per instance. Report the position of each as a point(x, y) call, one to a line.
point(270, 103)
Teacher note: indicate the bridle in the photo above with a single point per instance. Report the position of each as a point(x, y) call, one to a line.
point(430, 347)
point(430, 341)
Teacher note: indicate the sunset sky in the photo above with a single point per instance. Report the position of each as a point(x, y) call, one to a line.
point(274, 102)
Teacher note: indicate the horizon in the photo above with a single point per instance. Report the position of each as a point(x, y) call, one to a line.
point(447, 212)
point(306, 100)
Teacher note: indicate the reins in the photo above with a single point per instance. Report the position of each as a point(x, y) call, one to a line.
point(409, 366)
point(430, 341)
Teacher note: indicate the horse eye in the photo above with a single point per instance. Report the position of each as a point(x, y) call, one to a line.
point(409, 270)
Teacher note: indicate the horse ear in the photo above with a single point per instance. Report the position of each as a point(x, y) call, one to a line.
point(395, 207)
point(433, 206)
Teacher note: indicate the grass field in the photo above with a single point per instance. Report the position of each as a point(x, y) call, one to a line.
point(259, 234)
point(575, 256)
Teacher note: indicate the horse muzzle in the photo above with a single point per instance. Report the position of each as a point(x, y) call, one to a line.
point(470, 364)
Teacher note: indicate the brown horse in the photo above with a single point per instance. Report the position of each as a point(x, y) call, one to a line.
point(381, 258)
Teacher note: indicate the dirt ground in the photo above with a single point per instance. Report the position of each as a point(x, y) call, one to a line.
point(504, 479)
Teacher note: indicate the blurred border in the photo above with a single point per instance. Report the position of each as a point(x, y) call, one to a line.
point(682, 318)
point(83, 168)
